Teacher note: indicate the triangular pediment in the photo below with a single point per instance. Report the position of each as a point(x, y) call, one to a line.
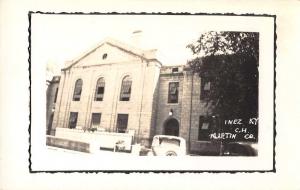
point(111, 51)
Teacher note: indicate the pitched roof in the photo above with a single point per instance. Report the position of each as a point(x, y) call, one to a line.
point(149, 55)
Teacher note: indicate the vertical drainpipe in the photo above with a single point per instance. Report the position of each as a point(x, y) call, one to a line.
point(191, 111)
point(141, 106)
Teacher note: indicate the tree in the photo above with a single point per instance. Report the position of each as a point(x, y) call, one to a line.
point(230, 61)
point(217, 43)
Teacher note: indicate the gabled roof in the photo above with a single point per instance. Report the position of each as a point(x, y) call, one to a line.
point(149, 55)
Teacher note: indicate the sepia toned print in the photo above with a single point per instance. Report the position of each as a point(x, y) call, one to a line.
point(144, 93)
point(117, 97)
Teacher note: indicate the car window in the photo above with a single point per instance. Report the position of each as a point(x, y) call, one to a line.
point(167, 141)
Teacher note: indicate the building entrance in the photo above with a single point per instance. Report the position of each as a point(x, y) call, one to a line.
point(171, 127)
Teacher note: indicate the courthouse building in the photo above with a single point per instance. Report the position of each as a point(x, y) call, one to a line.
point(116, 87)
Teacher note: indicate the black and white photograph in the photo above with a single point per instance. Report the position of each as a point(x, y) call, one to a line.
point(124, 85)
point(149, 94)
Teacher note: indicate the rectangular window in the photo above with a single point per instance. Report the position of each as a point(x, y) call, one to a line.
point(173, 92)
point(73, 120)
point(205, 126)
point(96, 119)
point(206, 86)
point(122, 123)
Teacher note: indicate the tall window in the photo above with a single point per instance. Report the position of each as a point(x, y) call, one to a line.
point(126, 89)
point(96, 119)
point(206, 86)
point(205, 126)
point(77, 90)
point(55, 96)
point(173, 92)
point(73, 120)
point(122, 122)
point(99, 89)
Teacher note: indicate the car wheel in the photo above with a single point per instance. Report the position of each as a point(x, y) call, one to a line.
point(171, 153)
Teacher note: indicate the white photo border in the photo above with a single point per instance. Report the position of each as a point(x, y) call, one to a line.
point(264, 162)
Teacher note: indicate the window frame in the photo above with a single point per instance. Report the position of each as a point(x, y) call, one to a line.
point(76, 120)
point(204, 93)
point(92, 119)
point(203, 134)
point(119, 127)
point(100, 84)
point(126, 88)
point(176, 93)
point(76, 95)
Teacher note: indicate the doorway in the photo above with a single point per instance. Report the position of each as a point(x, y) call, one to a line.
point(171, 127)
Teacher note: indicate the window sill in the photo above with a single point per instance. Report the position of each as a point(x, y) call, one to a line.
point(172, 103)
point(98, 101)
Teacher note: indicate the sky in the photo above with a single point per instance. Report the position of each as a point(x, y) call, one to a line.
point(59, 38)
point(56, 39)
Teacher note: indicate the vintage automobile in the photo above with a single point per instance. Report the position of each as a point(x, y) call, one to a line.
point(166, 145)
point(239, 149)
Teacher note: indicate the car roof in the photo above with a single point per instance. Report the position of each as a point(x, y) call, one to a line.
point(169, 137)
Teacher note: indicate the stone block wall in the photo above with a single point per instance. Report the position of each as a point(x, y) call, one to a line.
point(140, 112)
point(199, 108)
point(163, 107)
point(188, 109)
point(52, 90)
point(148, 108)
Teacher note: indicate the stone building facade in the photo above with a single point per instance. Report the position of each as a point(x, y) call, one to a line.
point(51, 97)
point(116, 87)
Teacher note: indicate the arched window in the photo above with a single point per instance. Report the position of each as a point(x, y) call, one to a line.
point(125, 89)
point(77, 90)
point(99, 93)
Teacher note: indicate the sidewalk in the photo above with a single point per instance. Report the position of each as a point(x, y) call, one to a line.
point(63, 152)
